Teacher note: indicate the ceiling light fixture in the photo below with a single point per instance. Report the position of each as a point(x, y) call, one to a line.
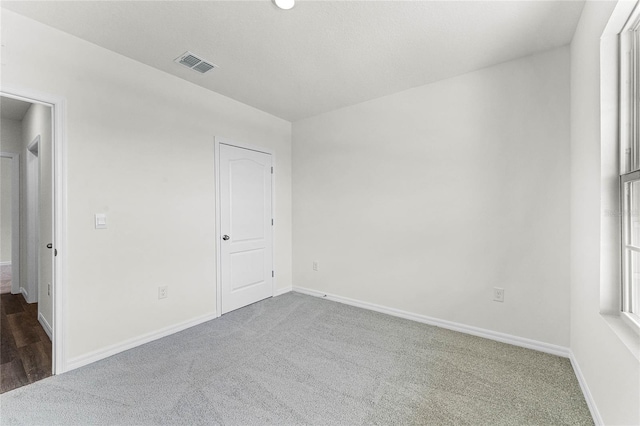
point(284, 4)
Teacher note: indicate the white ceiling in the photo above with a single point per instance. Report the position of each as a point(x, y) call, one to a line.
point(13, 109)
point(321, 55)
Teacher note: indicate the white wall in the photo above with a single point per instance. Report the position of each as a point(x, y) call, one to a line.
point(140, 148)
point(6, 170)
point(11, 136)
point(610, 369)
point(11, 142)
point(427, 199)
point(37, 122)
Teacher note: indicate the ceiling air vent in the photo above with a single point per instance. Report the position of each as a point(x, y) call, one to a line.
point(195, 63)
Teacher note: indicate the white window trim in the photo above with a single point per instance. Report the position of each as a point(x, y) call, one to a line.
point(611, 152)
point(629, 70)
point(629, 128)
point(631, 320)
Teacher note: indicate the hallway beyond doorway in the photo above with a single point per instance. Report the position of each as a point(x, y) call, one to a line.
point(5, 279)
point(25, 348)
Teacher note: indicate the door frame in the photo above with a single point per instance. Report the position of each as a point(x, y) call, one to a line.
point(59, 148)
point(15, 220)
point(32, 228)
point(217, 141)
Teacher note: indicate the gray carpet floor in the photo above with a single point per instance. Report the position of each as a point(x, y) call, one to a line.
point(294, 360)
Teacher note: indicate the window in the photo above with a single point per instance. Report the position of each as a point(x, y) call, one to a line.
point(630, 169)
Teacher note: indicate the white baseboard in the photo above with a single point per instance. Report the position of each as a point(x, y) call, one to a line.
point(591, 403)
point(47, 328)
point(25, 294)
point(282, 291)
point(463, 328)
point(99, 354)
point(5, 263)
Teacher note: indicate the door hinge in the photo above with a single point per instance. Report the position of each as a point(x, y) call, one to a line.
point(273, 274)
point(271, 170)
point(271, 222)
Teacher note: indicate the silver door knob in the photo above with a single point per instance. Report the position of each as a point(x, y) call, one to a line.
point(225, 237)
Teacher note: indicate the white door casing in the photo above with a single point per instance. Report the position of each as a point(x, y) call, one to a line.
point(33, 221)
point(246, 233)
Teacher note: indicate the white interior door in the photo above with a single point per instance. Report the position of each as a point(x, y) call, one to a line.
point(45, 238)
point(245, 227)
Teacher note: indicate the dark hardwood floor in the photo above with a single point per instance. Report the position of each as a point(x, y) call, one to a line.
point(25, 348)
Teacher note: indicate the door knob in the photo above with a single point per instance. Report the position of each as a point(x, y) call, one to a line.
point(225, 237)
point(55, 251)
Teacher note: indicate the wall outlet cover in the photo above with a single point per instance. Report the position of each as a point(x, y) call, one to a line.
point(163, 292)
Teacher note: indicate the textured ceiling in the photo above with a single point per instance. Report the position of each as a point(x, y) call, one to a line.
point(321, 55)
point(13, 109)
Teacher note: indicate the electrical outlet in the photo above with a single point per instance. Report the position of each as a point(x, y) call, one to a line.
point(498, 294)
point(163, 292)
point(316, 265)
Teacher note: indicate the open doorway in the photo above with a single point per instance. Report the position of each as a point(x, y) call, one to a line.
point(26, 302)
point(9, 222)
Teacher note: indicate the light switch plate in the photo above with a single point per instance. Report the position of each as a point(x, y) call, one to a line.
point(101, 221)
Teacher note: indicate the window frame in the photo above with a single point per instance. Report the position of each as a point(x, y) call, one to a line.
point(629, 88)
point(629, 133)
point(626, 312)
